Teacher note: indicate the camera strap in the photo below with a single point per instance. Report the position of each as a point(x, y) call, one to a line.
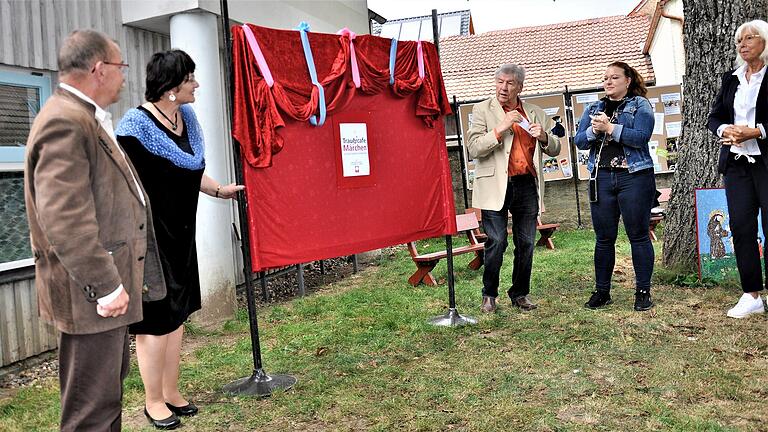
point(593, 174)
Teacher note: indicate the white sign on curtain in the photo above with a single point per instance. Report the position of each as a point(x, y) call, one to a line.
point(354, 149)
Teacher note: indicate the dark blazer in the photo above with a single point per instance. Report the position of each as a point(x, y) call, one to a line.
point(722, 113)
point(88, 228)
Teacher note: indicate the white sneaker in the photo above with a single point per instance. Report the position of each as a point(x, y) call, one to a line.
point(747, 306)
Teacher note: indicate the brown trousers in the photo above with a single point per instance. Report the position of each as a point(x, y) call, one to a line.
point(91, 372)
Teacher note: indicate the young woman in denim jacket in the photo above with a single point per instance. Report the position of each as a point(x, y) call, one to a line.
point(616, 130)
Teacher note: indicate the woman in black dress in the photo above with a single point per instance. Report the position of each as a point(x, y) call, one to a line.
point(165, 144)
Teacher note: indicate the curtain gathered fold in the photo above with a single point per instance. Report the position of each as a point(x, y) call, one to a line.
point(259, 108)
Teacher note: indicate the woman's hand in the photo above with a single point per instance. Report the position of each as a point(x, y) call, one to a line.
point(229, 191)
point(737, 134)
point(601, 123)
point(213, 188)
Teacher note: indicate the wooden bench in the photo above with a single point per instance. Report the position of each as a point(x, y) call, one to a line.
point(657, 213)
point(545, 230)
point(466, 223)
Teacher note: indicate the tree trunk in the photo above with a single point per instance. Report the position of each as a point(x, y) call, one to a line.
point(708, 32)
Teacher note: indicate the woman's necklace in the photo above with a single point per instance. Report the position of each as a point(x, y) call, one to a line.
point(174, 123)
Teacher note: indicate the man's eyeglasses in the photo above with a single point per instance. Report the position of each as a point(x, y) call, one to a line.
point(748, 39)
point(120, 65)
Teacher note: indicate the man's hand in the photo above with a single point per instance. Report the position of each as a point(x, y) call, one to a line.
point(737, 134)
point(509, 118)
point(116, 307)
point(537, 131)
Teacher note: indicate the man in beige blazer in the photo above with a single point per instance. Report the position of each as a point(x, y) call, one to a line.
point(91, 233)
point(506, 139)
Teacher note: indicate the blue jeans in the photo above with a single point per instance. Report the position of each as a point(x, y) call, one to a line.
point(522, 201)
point(631, 196)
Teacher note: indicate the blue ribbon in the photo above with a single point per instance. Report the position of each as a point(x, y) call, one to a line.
point(392, 56)
point(303, 29)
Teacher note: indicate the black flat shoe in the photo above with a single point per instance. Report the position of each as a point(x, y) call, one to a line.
point(187, 410)
point(171, 422)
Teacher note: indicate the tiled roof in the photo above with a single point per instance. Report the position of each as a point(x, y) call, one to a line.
point(420, 28)
point(573, 54)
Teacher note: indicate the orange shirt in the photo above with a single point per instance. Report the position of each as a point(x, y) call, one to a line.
point(523, 147)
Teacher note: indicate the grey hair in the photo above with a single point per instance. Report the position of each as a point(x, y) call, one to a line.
point(81, 49)
point(511, 69)
point(760, 27)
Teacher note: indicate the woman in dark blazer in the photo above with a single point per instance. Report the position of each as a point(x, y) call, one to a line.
point(739, 117)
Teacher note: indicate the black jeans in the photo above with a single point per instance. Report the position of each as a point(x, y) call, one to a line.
point(630, 195)
point(746, 191)
point(522, 201)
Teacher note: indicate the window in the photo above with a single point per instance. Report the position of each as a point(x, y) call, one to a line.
point(21, 96)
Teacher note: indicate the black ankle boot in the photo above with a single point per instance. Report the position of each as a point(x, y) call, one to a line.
point(598, 300)
point(643, 300)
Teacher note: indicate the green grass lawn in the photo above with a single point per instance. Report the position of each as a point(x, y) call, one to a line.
point(366, 359)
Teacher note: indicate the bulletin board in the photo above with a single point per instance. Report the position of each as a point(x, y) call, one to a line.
point(465, 122)
point(667, 105)
point(560, 167)
point(553, 168)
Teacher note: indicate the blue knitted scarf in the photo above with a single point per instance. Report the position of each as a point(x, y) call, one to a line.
point(137, 124)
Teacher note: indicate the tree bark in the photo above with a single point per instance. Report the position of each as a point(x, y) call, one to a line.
point(708, 31)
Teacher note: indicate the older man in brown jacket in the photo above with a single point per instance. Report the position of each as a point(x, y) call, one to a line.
point(91, 233)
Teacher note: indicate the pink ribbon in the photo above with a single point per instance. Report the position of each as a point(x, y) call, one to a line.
point(353, 58)
point(260, 61)
point(420, 59)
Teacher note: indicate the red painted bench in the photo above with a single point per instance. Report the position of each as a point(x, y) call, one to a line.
point(465, 223)
point(657, 213)
point(545, 230)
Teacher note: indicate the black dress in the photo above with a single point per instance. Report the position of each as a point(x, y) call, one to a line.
point(173, 193)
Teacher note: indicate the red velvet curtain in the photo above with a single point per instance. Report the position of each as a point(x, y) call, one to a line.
point(301, 207)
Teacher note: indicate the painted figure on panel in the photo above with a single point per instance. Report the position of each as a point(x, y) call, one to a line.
point(716, 234)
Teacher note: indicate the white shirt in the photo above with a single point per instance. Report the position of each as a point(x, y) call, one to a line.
point(744, 103)
point(105, 121)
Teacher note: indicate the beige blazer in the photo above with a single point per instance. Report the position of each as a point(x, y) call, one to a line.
point(88, 228)
point(492, 157)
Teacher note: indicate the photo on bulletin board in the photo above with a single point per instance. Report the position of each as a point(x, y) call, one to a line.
point(555, 167)
point(717, 261)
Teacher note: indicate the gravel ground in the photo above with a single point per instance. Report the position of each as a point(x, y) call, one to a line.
point(30, 371)
point(285, 287)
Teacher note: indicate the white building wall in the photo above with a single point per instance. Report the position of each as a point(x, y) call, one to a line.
point(325, 16)
point(322, 16)
point(667, 50)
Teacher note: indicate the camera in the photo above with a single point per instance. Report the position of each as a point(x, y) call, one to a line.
point(592, 189)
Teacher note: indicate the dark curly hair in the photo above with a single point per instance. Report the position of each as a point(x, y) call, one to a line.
point(165, 71)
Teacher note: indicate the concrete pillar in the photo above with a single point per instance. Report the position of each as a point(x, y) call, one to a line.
point(197, 34)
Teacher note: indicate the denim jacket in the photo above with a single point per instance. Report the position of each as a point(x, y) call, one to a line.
point(634, 126)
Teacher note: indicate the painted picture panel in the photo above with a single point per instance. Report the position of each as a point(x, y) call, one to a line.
point(715, 244)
